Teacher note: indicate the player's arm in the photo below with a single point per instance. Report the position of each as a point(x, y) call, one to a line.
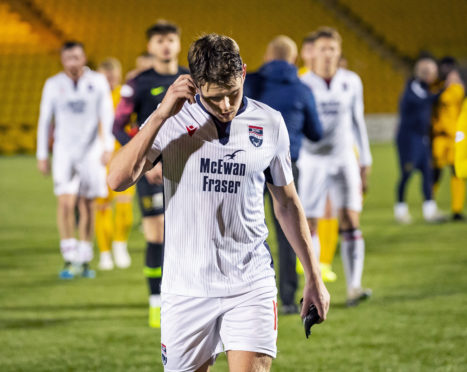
point(291, 217)
point(43, 129)
point(361, 134)
point(460, 161)
point(125, 108)
point(312, 128)
point(106, 116)
point(132, 160)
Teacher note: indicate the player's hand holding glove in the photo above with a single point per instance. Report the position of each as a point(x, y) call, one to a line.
point(315, 304)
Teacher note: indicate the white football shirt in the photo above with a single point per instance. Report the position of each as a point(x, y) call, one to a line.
point(215, 228)
point(77, 111)
point(340, 109)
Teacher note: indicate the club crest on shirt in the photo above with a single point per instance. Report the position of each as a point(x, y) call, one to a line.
point(256, 135)
point(164, 354)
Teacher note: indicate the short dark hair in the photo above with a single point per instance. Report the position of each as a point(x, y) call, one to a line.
point(215, 58)
point(322, 32)
point(70, 44)
point(162, 27)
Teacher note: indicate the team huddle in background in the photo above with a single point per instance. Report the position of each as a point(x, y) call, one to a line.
point(317, 139)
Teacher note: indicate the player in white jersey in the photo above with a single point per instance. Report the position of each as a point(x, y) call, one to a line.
point(78, 100)
point(218, 149)
point(331, 164)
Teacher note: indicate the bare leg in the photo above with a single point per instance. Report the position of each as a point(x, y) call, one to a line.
point(86, 219)
point(153, 228)
point(66, 216)
point(247, 361)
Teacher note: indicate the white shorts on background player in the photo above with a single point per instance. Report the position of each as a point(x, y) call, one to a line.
point(321, 177)
point(85, 177)
point(196, 329)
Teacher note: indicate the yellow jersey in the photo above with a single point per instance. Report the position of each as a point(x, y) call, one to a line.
point(460, 157)
point(447, 111)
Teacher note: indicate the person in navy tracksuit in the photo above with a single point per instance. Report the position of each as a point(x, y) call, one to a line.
point(277, 84)
point(412, 139)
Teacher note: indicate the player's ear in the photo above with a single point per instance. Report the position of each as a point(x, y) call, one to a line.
point(244, 71)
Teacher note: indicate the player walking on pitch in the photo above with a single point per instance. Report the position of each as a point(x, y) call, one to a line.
point(141, 95)
point(330, 164)
point(79, 100)
point(218, 149)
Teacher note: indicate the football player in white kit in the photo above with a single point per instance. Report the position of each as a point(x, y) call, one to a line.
point(78, 100)
point(218, 148)
point(330, 165)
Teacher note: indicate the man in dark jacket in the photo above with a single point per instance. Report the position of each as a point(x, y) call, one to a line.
point(413, 143)
point(277, 84)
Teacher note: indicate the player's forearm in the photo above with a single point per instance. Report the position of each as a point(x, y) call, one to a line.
point(42, 152)
point(128, 164)
point(292, 219)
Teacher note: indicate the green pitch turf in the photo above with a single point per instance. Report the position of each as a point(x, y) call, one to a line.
point(416, 321)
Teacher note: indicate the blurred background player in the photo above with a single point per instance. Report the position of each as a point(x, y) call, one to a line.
point(460, 160)
point(413, 143)
point(78, 100)
point(331, 164)
point(144, 62)
point(277, 84)
point(142, 95)
point(445, 115)
point(113, 230)
point(328, 227)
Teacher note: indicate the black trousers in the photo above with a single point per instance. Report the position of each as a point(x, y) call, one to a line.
point(288, 279)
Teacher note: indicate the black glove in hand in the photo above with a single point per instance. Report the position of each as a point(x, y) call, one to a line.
point(310, 319)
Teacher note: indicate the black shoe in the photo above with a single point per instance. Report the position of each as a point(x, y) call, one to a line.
point(289, 309)
point(458, 217)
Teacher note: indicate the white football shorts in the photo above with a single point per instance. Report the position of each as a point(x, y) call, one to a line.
point(85, 177)
point(195, 329)
point(321, 177)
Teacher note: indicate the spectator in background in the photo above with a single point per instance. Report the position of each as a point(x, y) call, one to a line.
point(277, 84)
point(445, 115)
point(413, 143)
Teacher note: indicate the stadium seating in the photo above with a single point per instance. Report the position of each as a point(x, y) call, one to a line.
point(437, 26)
point(116, 28)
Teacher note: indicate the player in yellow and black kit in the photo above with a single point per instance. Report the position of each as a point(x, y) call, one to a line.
point(113, 225)
point(460, 158)
point(445, 116)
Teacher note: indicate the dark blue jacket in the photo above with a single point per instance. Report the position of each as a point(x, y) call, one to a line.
point(277, 84)
point(415, 108)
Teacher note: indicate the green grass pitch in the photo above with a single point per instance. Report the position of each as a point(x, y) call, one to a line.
point(416, 320)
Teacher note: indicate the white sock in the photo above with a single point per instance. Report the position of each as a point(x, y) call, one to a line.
point(68, 248)
point(353, 257)
point(429, 208)
point(316, 244)
point(85, 252)
point(155, 300)
point(401, 209)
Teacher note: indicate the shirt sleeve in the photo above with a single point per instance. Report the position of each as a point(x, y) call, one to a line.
point(106, 115)
point(125, 108)
point(45, 120)
point(360, 131)
point(155, 152)
point(279, 172)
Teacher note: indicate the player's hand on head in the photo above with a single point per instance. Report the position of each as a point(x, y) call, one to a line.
point(183, 89)
point(317, 294)
point(44, 166)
